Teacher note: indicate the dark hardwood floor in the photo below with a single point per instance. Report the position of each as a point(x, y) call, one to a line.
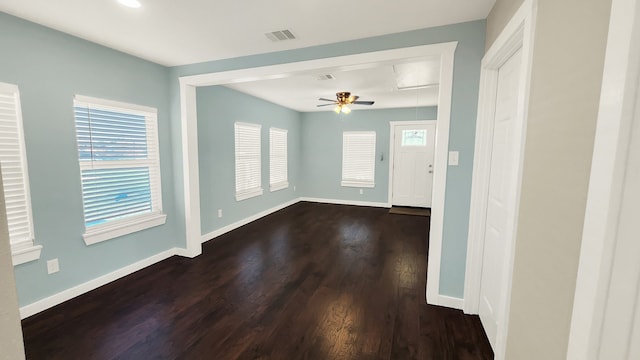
point(312, 281)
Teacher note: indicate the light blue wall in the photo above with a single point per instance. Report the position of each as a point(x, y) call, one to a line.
point(50, 67)
point(322, 150)
point(466, 79)
point(218, 109)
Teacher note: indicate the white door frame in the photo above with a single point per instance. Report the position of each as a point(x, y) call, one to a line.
point(392, 149)
point(518, 34)
point(189, 139)
point(616, 114)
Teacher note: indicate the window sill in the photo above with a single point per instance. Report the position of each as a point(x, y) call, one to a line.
point(122, 228)
point(360, 184)
point(21, 256)
point(248, 194)
point(279, 186)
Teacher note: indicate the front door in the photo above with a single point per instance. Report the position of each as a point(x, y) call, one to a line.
point(502, 191)
point(413, 165)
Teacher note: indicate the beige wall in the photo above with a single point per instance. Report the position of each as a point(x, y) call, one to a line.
point(11, 347)
point(499, 16)
point(569, 46)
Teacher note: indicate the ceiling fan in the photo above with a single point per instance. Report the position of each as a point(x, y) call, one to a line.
point(343, 99)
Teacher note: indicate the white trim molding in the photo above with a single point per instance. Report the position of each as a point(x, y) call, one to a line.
point(248, 194)
point(517, 35)
point(68, 294)
point(618, 102)
point(24, 255)
point(121, 228)
point(440, 161)
point(278, 186)
point(450, 302)
point(358, 184)
point(115, 105)
point(223, 230)
point(345, 202)
point(190, 169)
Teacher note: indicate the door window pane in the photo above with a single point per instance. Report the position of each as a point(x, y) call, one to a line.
point(414, 137)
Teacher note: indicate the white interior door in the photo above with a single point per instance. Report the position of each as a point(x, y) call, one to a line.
point(501, 194)
point(413, 165)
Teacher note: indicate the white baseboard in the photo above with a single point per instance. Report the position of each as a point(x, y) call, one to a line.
point(346, 202)
point(450, 302)
point(70, 293)
point(186, 253)
point(245, 221)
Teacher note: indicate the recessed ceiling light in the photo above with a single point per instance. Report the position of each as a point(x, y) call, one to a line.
point(130, 3)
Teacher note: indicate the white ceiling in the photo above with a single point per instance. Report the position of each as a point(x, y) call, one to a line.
point(177, 32)
point(376, 81)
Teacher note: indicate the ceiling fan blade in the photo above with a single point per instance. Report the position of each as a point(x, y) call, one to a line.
point(353, 98)
point(325, 105)
point(363, 102)
point(323, 99)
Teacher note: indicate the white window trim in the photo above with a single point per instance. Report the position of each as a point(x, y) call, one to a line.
point(127, 226)
point(280, 184)
point(257, 191)
point(118, 228)
point(25, 251)
point(365, 184)
point(21, 256)
point(356, 183)
point(243, 195)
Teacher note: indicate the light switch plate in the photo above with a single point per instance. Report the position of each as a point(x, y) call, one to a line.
point(453, 158)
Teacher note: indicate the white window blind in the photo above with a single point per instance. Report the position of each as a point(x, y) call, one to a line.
point(358, 158)
point(278, 177)
point(120, 167)
point(248, 160)
point(15, 178)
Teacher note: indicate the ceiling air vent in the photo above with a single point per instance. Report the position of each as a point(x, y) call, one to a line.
point(326, 77)
point(280, 35)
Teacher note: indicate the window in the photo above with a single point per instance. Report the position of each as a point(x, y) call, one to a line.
point(414, 137)
point(248, 163)
point(119, 166)
point(358, 158)
point(15, 177)
point(278, 178)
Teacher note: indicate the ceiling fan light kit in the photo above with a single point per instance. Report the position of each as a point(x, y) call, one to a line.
point(343, 99)
point(342, 109)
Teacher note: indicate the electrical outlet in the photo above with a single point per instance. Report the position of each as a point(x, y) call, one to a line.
point(219, 213)
point(361, 191)
point(53, 266)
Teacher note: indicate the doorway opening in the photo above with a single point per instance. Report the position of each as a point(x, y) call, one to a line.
point(189, 141)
